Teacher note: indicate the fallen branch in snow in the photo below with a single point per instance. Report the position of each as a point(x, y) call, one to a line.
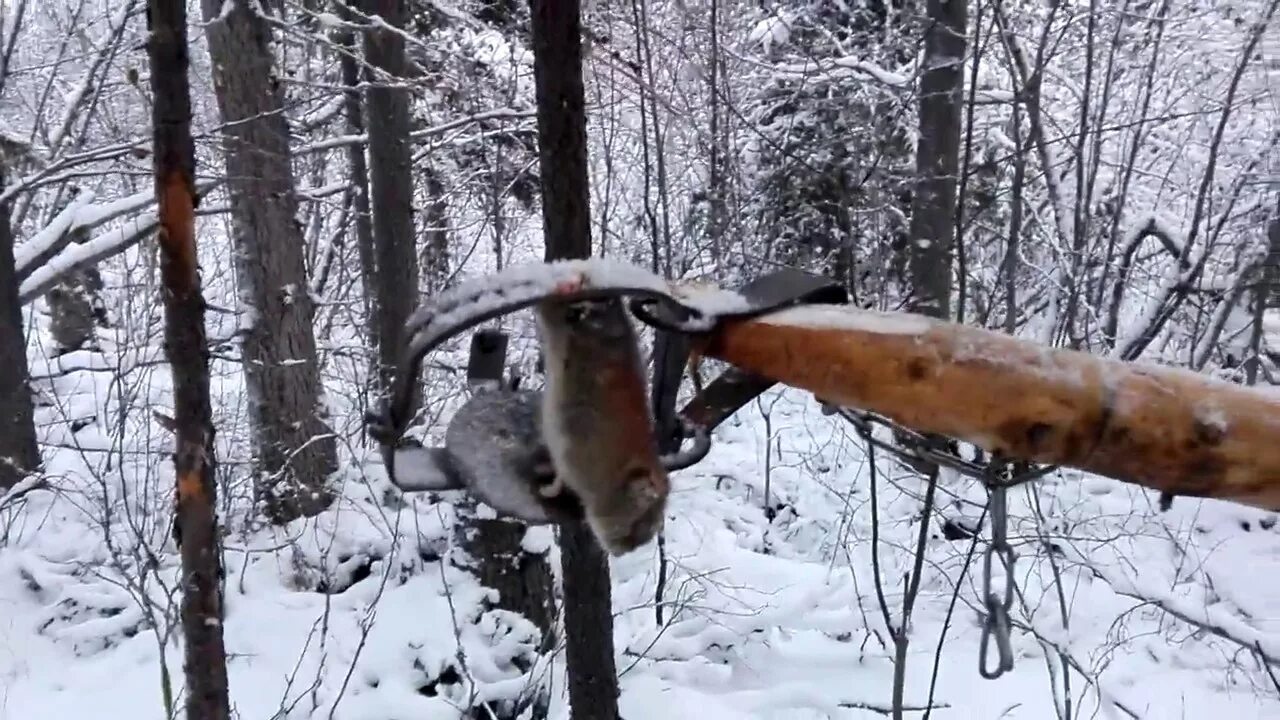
point(1275, 682)
point(99, 248)
point(93, 361)
point(45, 259)
point(22, 489)
point(1150, 226)
point(1163, 428)
point(51, 238)
point(889, 710)
point(842, 67)
point(1213, 619)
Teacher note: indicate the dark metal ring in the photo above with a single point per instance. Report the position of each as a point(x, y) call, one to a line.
point(694, 321)
point(681, 458)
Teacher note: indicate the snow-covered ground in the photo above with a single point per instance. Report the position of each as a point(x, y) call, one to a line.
point(764, 619)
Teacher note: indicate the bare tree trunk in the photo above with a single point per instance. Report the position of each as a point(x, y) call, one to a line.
point(588, 625)
point(205, 662)
point(435, 253)
point(294, 449)
point(1268, 285)
point(492, 549)
point(562, 148)
point(352, 108)
point(1080, 226)
point(391, 187)
point(715, 170)
point(937, 158)
point(18, 451)
point(1271, 298)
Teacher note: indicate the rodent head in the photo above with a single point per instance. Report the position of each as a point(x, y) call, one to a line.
point(632, 518)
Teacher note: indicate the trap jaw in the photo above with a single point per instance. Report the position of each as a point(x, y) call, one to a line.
point(677, 315)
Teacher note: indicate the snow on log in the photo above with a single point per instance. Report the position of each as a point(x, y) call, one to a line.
point(1163, 428)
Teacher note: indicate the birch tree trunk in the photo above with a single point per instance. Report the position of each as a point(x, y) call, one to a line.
point(205, 664)
point(293, 447)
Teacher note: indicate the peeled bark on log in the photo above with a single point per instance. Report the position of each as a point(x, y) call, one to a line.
point(1163, 428)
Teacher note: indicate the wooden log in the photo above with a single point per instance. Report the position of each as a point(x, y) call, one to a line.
point(1163, 428)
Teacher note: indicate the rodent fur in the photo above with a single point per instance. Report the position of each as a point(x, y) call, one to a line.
point(596, 422)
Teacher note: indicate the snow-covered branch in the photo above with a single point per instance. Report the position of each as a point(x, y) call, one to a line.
point(321, 116)
point(53, 237)
point(849, 66)
point(63, 170)
point(423, 134)
point(92, 361)
point(45, 258)
point(80, 214)
point(103, 246)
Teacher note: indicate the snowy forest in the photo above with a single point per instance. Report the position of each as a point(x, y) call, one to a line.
point(216, 217)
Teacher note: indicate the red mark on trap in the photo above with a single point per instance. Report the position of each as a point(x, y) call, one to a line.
point(568, 287)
